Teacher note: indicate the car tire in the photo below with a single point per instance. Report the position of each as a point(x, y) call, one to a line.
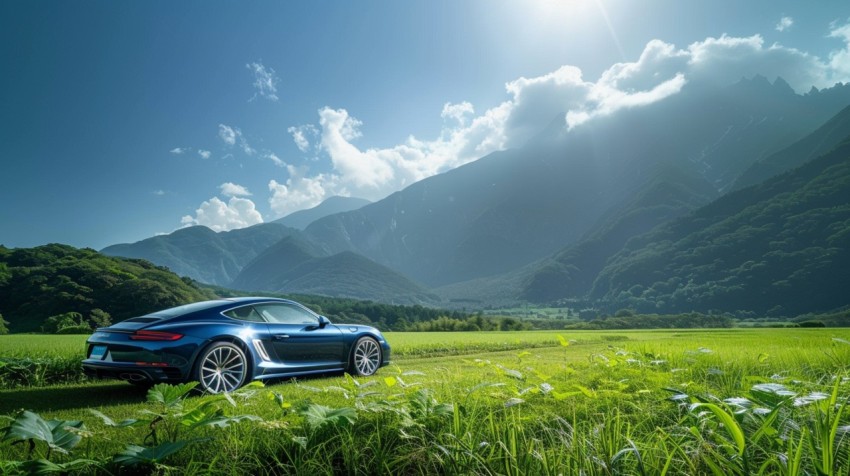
point(365, 357)
point(222, 367)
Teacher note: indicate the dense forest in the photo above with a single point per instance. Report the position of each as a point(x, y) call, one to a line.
point(81, 287)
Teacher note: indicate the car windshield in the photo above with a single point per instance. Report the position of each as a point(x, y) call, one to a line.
point(186, 309)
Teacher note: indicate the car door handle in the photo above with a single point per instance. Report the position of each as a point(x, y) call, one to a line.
point(281, 336)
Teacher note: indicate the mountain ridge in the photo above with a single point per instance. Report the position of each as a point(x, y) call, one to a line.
point(336, 204)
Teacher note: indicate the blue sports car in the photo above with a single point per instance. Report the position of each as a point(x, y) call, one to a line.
point(226, 343)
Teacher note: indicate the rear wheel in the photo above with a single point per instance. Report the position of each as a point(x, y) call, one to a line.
point(366, 357)
point(221, 367)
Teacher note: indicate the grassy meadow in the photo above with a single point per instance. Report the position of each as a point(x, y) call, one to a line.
point(732, 401)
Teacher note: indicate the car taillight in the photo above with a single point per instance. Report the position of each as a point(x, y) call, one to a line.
point(155, 335)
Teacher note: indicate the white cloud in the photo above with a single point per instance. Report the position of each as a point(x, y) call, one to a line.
point(784, 23)
point(230, 189)
point(299, 192)
point(661, 71)
point(366, 169)
point(265, 81)
point(179, 150)
point(228, 134)
point(274, 158)
point(231, 135)
point(458, 112)
point(245, 147)
point(158, 193)
point(224, 216)
point(302, 135)
point(839, 60)
point(205, 154)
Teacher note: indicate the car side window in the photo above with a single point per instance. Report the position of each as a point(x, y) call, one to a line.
point(245, 313)
point(286, 314)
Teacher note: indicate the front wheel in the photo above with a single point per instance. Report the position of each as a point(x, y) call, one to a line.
point(366, 357)
point(222, 367)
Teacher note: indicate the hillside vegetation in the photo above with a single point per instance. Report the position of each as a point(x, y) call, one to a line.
point(37, 283)
point(776, 248)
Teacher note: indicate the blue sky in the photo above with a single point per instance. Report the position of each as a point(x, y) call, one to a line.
point(122, 120)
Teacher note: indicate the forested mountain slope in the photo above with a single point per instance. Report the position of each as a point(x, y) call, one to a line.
point(780, 247)
point(36, 283)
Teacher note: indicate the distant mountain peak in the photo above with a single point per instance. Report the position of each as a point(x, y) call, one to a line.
point(761, 84)
point(782, 85)
point(331, 206)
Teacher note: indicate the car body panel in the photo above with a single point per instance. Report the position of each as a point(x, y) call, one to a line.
point(128, 351)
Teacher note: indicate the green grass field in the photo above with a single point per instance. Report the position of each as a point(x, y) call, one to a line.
point(735, 401)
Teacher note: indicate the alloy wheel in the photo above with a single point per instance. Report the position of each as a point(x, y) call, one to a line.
point(222, 368)
point(367, 356)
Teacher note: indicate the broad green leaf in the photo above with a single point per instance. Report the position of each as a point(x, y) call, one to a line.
point(317, 416)
point(771, 394)
point(561, 396)
point(540, 375)
point(170, 395)
point(135, 455)
point(586, 391)
point(513, 373)
point(109, 422)
point(225, 421)
point(30, 426)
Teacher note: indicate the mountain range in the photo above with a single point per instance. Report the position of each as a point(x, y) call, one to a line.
point(563, 217)
point(302, 218)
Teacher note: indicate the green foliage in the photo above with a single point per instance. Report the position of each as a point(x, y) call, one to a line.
point(668, 194)
point(3, 326)
point(470, 323)
point(100, 318)
point(626, 320)
point(56, 434)
point(778, 248)
point(736, 402)
point(175, 421)
point(58, 323)
point(39, 371)
point(54, 286)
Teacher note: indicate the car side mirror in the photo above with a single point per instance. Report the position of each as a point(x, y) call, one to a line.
point(323, 322)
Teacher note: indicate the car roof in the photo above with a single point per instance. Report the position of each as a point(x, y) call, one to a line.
point(212, 304)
